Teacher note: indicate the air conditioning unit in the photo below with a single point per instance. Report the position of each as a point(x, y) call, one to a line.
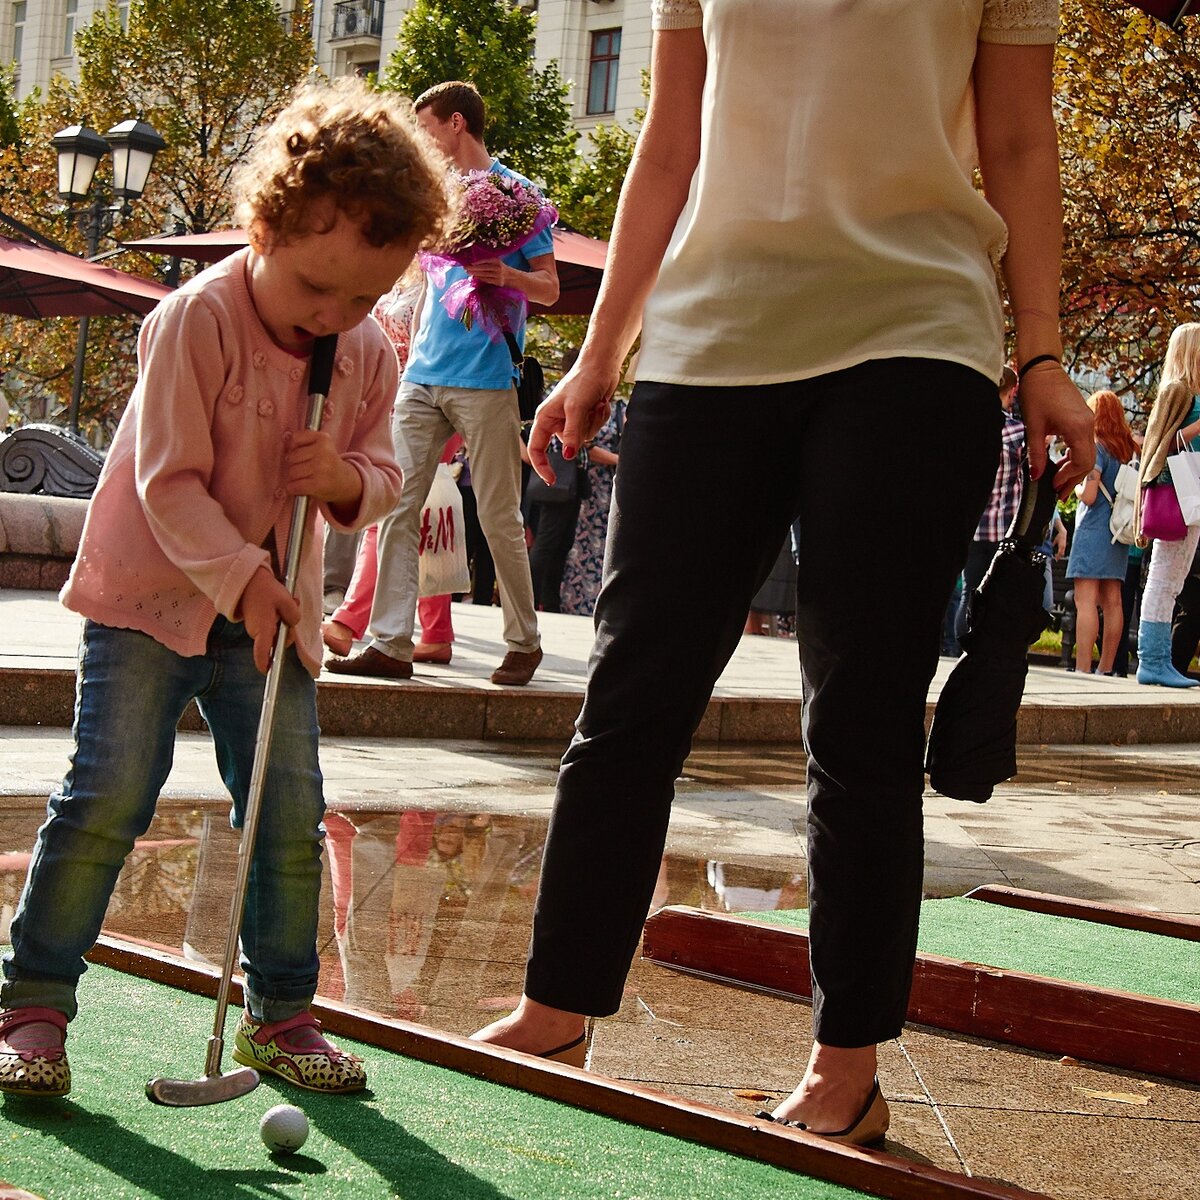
point(350, 21)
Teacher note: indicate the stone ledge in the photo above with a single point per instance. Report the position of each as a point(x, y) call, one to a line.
point(46, 696)
point(39, 537)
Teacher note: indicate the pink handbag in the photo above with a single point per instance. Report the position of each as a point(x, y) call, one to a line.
point(1162, 519)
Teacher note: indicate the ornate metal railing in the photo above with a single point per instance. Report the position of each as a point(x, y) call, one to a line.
point(49, 461)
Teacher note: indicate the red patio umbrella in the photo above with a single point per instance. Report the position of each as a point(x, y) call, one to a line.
point(39, 282)
point(1170, 12)
point(580, 261)
point(199, 247)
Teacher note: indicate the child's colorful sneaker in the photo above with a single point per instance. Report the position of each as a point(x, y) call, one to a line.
point(37, 1066)
point(295, 1049)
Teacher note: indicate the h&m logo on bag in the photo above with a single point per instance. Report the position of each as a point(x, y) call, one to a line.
point(437, 539)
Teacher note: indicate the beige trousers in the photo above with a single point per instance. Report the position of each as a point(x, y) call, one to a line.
point(425, 416)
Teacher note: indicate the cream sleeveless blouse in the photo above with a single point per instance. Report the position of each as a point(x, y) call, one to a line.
point(832, 218)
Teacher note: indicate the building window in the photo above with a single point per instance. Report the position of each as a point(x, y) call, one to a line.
point(602, 71)
point(68, 45)
point(18, 30)
point(123, 13)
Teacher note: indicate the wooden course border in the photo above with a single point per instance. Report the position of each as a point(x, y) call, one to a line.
point(9, 1191)
point(1103, 1025)
point(1119, 915)
point(875, 1172)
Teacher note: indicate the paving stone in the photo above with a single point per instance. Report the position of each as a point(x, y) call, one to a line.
point(430, 942)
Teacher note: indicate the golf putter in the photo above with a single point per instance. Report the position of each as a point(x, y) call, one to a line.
point(213, 1087)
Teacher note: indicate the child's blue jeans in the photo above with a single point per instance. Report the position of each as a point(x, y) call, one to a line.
point(130, 694)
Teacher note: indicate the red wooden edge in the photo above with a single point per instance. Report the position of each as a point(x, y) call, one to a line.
point(1119, 1029)
point(875, 1172)
point(10, 1191)
point(1120, 915)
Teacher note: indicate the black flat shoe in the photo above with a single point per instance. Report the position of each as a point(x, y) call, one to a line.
point(867, 1129)
point(575, 1053)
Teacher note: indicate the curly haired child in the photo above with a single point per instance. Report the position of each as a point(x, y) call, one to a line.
point(176, 575)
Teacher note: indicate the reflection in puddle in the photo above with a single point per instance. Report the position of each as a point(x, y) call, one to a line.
point(1107, 773)
point(426, 912)
point(422, 912)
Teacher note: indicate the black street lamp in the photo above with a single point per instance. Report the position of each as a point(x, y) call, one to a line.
point(133, 145)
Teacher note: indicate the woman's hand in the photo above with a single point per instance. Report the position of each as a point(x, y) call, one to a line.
point(575, 411)
point(1052, 404)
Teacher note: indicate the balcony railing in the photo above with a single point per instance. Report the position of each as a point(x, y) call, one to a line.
point(357, 18)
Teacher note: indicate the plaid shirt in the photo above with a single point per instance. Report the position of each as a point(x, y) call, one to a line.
point(1006, 491)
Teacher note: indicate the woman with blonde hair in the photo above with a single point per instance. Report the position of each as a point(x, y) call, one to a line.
point(1174, 417)
point(1098, 564)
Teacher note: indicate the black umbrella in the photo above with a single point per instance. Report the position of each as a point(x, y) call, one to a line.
point(1170, 12)
point(973, 742)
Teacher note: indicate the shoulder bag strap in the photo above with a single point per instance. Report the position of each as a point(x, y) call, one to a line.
point(518, 359)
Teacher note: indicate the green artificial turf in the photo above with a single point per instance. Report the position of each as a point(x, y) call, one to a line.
point(422, 1131)
point(1058, 947)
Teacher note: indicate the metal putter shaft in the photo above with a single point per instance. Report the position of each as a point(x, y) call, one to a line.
point(213, 1087)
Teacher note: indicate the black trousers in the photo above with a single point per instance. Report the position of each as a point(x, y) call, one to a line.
point(483, 569)
point(979, 558)
point(888, 466)
point(552, 544)
point(1185, 628)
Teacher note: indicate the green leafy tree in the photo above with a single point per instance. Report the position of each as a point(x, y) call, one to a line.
point(206, 74)
point(587, 202)
point(488, 43)
point(588, 199)
point(10, 126)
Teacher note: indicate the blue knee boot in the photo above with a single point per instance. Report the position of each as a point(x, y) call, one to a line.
point(1154, 657)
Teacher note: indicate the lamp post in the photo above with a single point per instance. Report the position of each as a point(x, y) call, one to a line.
point(133, 145)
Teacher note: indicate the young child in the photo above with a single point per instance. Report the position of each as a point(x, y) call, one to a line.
point(177, 572)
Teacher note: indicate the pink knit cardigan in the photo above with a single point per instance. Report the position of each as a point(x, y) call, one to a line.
point(193, 482)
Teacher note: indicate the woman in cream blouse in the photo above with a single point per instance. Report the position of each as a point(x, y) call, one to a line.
point(812, 270)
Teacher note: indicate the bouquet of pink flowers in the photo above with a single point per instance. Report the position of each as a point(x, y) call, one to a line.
point(497, 215)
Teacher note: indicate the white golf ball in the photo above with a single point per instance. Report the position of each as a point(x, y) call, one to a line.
point(284, 1129)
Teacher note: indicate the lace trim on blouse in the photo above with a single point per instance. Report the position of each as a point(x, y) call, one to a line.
point(1017, 21)
point(675, 14)
point(1033, 22)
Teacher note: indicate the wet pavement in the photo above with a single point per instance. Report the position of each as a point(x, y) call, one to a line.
point(432, 865)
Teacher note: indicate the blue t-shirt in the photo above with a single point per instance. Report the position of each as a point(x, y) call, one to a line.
point(445, 353)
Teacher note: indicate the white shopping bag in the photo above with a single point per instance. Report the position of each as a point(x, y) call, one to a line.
point(1185, 475)
point(443, 546)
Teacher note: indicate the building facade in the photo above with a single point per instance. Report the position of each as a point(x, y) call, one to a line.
point(602, 46)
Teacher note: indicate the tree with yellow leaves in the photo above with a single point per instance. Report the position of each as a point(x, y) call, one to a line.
point(1127, 90)
point(206, 74)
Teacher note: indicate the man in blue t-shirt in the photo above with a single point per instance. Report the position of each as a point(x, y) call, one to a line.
point(458, 379)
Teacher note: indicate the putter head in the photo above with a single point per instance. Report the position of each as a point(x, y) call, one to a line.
point(212, 1089)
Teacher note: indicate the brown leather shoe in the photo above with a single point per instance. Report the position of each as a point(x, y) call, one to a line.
point(371, 662)
point(517, 668)
point(437, 654)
